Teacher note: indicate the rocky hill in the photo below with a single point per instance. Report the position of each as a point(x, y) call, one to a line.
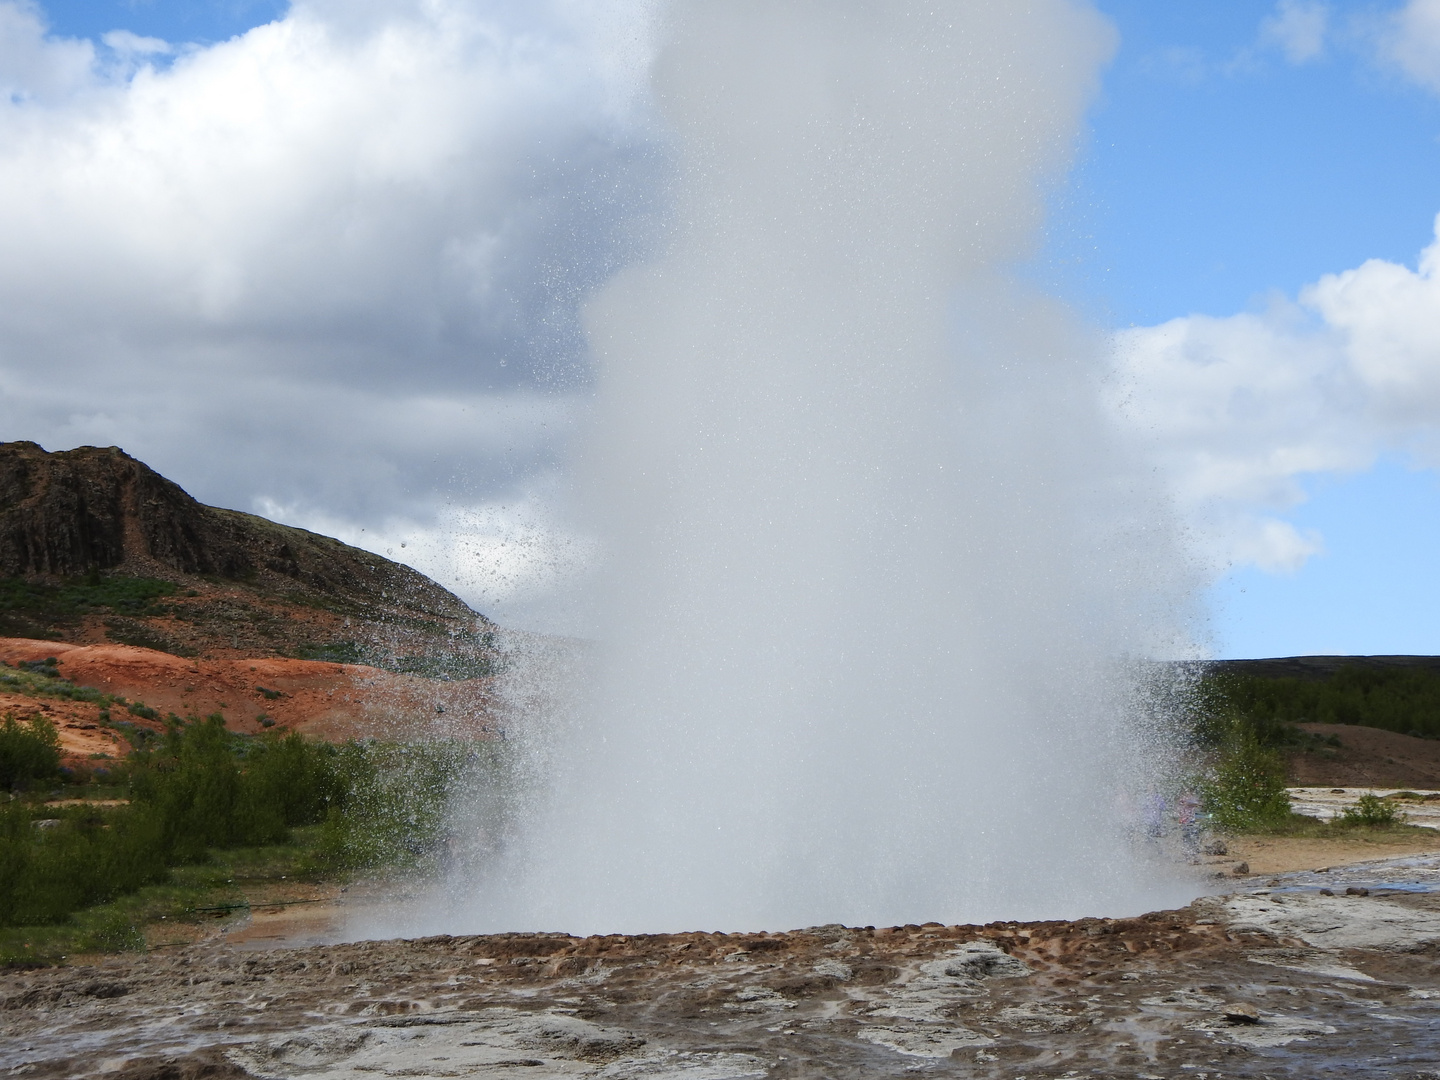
point(97, 547)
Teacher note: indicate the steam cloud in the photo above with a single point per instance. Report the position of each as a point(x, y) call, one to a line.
point(871, 559)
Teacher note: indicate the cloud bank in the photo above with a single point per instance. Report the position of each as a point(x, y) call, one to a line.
point(1411, 41)
point(331, 265)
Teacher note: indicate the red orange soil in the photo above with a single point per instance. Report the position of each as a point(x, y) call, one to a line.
point(321, 699)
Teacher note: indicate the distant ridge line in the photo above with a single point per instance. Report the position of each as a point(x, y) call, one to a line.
point(1316, 668)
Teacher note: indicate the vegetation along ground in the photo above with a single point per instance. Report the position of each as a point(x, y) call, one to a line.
point(192, 819)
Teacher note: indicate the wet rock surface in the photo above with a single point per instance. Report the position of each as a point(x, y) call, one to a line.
point(1270, 983)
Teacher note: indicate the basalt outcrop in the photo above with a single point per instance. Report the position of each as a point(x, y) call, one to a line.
point(96, 546)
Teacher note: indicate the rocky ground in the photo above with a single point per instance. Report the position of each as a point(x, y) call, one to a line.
point(1314, 975)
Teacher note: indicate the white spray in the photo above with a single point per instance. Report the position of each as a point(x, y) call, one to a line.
point(873, 569)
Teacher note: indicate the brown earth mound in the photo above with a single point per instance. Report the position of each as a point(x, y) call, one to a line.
point(323, 700)
point(1367, 757)
point(97, 547)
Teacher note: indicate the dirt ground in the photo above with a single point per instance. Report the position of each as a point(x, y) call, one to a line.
point(322, 699)
point(1366, 758)
point(1269, 982)
point(1267, 855)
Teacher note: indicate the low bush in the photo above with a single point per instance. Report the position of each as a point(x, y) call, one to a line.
point(199, 788)
point(212, 788)
point(1245, 790)
point(1370, 811)
point(389, 809)
point(29, 751)
point(79, 857)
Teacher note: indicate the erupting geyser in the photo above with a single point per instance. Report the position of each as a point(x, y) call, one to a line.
point(874, 568)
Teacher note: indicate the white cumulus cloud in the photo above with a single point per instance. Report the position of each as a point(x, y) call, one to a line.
point(1241, 410)
point(1297, 28)
point(1411, 41)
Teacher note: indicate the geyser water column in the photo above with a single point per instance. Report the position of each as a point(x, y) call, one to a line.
point(871, 565)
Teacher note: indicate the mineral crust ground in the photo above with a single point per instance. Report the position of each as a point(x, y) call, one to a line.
point(1313, 975)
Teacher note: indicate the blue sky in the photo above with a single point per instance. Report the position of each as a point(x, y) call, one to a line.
point(174, 21)
point(1213, 190)
point(1219, 173)
point(1226, 170)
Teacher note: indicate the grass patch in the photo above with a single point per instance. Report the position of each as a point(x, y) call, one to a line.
point(1302, 826)
point(194, 900)
point(335, 652)
point(143, 636)
point(42, 679)
point(64, 603)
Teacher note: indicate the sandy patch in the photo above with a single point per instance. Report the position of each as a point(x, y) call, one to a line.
point(83, 739)
point(1285, 854)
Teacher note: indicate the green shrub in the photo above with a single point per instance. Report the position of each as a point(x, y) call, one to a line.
point(1371, 810)
point(296, 777)
point(199, 787)
point(195, 781)
point(29, 751)
point(1246, 788)
point(390, 803)
point(82, 856)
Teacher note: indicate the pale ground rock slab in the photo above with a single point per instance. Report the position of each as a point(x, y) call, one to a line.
point(1273, 982)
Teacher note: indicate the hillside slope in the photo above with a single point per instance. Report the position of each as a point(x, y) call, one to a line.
point(320, 699)
point(1365, 757)
point(97, 547)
